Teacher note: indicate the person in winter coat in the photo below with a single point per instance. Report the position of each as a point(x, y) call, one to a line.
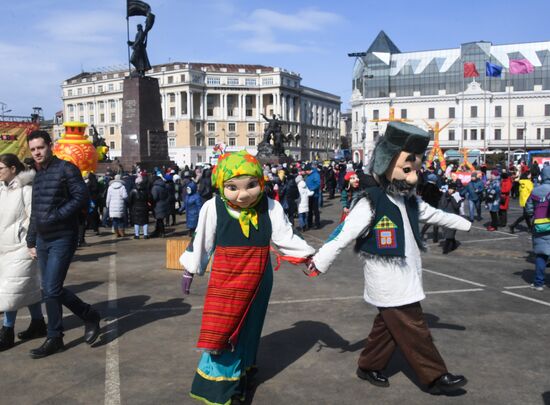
point(350, 192)
point(525, 189)
point(193, 204)
point(204, 185)
point(303, 204)
point(19, 276)
point(493, 199)
point(171, 187)
point(505, 190)
point(450, 202)
point(473, 193)
point(116, 203)
point(160, 196)
point(541, 233)
point(291, 195)
point(313, 182)
point(138, 202)
point(431, 194)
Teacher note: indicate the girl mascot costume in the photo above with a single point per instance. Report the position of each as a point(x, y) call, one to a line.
point(237, 227)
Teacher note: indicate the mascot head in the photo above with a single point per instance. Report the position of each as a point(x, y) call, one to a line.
point(397, 157)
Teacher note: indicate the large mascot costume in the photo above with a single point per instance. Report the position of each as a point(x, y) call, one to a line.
point(384, 224)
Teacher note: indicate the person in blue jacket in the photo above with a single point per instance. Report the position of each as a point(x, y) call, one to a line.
point(193, 204)
point(313, 182)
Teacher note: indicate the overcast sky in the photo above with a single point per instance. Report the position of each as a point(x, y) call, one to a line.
point(44, 42)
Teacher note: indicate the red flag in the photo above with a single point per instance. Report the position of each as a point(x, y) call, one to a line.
point(470, 70)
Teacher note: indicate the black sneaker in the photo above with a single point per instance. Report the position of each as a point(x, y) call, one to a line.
point(136, 237)
point(91, 327)
point(36, 329)
point(51, 346)
point(7, 338)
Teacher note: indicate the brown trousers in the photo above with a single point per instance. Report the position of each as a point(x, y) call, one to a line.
point(406, 328)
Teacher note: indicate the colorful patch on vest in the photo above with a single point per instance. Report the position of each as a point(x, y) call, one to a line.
point(386, 237)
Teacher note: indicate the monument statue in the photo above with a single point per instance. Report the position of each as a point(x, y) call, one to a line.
point(139, 57)
point(273, 132)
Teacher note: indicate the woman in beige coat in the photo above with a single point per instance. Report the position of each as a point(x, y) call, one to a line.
point(19, 275)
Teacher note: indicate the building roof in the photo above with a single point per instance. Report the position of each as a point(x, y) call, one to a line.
point(383, 43)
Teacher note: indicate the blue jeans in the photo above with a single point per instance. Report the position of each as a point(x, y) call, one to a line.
point(145, 229)
point(54, 259)
point(540, 269)
point(302, 219)
point(35, 310)
point(118, 223)
point(473, 208)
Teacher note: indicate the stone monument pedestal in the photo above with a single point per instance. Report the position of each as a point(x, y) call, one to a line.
point(144, 140)
point(265, 155)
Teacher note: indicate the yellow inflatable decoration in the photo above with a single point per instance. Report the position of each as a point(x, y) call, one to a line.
point(75, 147)
point(436, 149)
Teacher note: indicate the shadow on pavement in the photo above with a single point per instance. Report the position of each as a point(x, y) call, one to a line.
point(78, 288)
point(546, 397)
point(91, 257)
point(527, 275)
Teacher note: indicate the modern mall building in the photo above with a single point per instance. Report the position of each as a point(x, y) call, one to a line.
point(205, 104)
point(485, 114)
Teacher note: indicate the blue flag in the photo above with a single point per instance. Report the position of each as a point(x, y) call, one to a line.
point(492, 70)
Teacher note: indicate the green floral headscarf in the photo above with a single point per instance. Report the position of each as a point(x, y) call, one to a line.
point(237, 164)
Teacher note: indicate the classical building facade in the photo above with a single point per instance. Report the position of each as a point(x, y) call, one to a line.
point(204, 105)
point(428, 88)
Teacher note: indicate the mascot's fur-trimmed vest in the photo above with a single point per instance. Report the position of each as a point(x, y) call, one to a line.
point(386, 236)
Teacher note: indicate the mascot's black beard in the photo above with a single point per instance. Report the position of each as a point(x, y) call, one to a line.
point(398, 187)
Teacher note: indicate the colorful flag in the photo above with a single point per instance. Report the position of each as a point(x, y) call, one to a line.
point(492, 70)
point(470, 70)
point(520, 67)
point(137, 7)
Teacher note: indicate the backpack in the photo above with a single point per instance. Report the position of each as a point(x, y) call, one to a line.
point(541, 217)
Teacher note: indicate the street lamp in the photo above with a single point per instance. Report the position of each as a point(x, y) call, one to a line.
point(3, 109)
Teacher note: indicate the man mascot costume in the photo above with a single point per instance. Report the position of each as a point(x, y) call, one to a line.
point(384, 223)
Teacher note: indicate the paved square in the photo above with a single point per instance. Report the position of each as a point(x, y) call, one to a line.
point(485, 321)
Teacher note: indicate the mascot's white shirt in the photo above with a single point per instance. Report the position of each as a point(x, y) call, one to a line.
point(389, 282)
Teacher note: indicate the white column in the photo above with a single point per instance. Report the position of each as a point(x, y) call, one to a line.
point(258, 98)
point(283, 107)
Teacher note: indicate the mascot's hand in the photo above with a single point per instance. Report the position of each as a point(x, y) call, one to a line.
point(311, 270)
point(186, 281)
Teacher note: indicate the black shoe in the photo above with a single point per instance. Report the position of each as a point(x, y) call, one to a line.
point(374, 377)
point(447, 383)
point(446, 246)
point(50, 346)
point(36, 329)
point(7, 338)
point(91, 327)
point(145, 236)
point(512, 230)
point(136, 236)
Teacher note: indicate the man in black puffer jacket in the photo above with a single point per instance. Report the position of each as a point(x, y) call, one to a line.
point(59, 196)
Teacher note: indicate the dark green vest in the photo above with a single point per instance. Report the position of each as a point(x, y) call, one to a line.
point(386, 236)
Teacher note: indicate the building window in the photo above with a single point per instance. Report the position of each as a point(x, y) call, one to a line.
point(171, 142)
point(482, 134)
point(547, 110)
point(403, 113)
point(182, 78)
point(69, 93)
point(171, 126)
point(79, 91)
point(101, 117)
point(519, 110)
point(451, 112)
point(519, 133)
point(211, 141)
point(251, 127)
point(538, 133)
point(112, 104)
point(112, 145)
point(546, 133)
point(211, 126)
point(451, 134)
point(199, 158)
point(172, 97)
point(498, 111)
point(170, 79)
point(375, 114)
point(431, 113)
point(498, 134)
point(81, 107)
point(213, 80)
point(267, 81)
point(172, 111)
point(251, 141)
point(100, 89)
point(231, 127)
point(197, 126)
point(90, 90)
point(70, 107)
point(473, 111)
point(91, 119)
point(111, 130)
point(465, 135)
point(111, 87)
point(375, 135)
point(233, 81)
point(113, 117)
point(199, 140)
point(473, 134)
point(81, 118)
point(232, 141)
point(250, 82)
point(249, 112)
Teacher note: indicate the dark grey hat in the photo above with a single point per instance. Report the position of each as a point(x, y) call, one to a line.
point(399, 137)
